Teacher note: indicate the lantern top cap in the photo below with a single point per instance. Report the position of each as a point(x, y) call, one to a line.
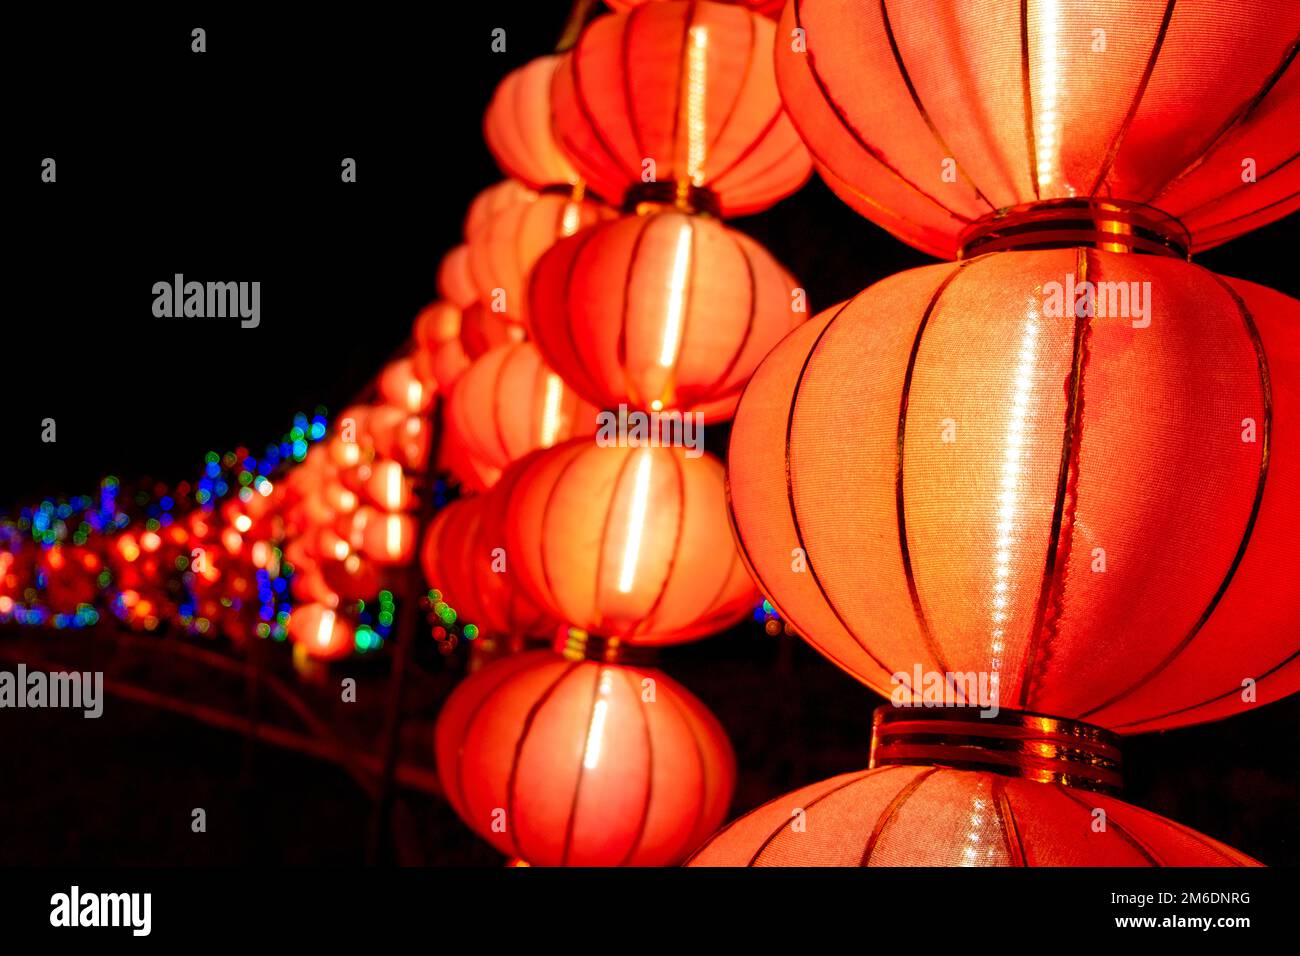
point(1112, 224)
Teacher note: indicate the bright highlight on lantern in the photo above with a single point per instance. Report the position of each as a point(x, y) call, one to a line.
point(551, 409)
point(394, 536)
point(1050, 70)
point(326, 629)
point(697, 59)
point(676, 298)
point(596, 730)
point(635, 524)
point(394, 490)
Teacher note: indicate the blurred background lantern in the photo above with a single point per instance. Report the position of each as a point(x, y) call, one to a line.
point(481, 329)
point(973, 481)
point(707, 128)
point(509, 402)
point(628, 543)
point(321, 632)
point(455, 283)
point(401, 387)
point(503, 250)
point(517, 127)
point(436, 323)
point(591, 763)
point(937, 816)
point(769, 8)
point(662, 311)
point(911, 114)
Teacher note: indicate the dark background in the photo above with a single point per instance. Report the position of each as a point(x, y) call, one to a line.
point(225, 166)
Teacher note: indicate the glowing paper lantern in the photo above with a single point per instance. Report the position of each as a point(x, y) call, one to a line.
point(594, 763)
point(436, 323)
point(948, 474)
point(517, 127)
point(401, 387)
point(628, 543)
point(661, 311)
point(321, 632)
point(447, 364)
point(484, 207)
point(932, 816)
point(509, 402)
point(503, 250)
point(455, 284)
point(914, 114)
point(481, 329)
point(400, 436)
point(706, 125)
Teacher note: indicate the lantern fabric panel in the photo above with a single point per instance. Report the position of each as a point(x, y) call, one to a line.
point(489, 202)
point(948, 478)
point(937, 816)
point(662, 311)
point(436, 323)
point(706, 110)
point(910, 109)
point(588, 771)
point(504, 249)
point(455, 282)
point(517, 127)
point(631, 543)
point(769, 8)
point(509, 402)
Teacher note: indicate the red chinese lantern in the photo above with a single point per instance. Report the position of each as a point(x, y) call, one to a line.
point(937, 816)
point(503, 250)
point(662, 311)
point(517, 127)
point(497, 197)
point(398, 435)
point(509, 402)
point(481, 329)
point(321, 632)
point(582, 762)
point(707, 127)
point(628, 543)
point(991, 467)
point(472, 570)
point(455, 283)
point(914, 114)
point(447, 364)
point(473, 475)
point(436, 323)
point(402, 387)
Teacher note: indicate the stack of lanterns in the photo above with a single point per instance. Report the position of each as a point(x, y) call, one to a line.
point(1049, 485)
point(655, 318)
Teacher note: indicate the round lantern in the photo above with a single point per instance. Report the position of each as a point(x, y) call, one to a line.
point(917, 124)
point(663, 311)
point(481, 329)
point(472, 569)
point(436, 323)
point(503, 250)
point(707, 128)
point(455, 283)
point(583, 763)
point(470, 472)
point(517, 127)
point(321, 632)
point(400, 436)
point(400, 386)
point(1073, 471)
point(628, 543)
point(489, 202)
point(509, 402)
point(901, 815)
point(447, 363)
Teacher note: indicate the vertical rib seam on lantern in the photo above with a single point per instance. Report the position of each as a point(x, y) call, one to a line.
point(579, 363)
point(595, 613)
point(1010, 831)
point(1266, 397)
point(571, 822)
point(721, 128)
point(900, 505)
point(1188, 832)
point(598, 134)
point(1027, 94)
point(1235, 120)
point(621, 347)
point(1048, 609)
point(771, 838)
point(1112, 824)
point(692, 838)
point(1224, 196)
point(1143, 82)
point(866, 147)
point(650, 771)
point(648, 616)
point(513, 780)
point(715, 389)
point(553, 597)
point(789, 490)
point(882, 822)
point(920, 107)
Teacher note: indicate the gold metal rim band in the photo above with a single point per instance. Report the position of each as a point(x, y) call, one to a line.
point(1013, 743)
point(1108, 224)
point(678, 194)
point(578, 645)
